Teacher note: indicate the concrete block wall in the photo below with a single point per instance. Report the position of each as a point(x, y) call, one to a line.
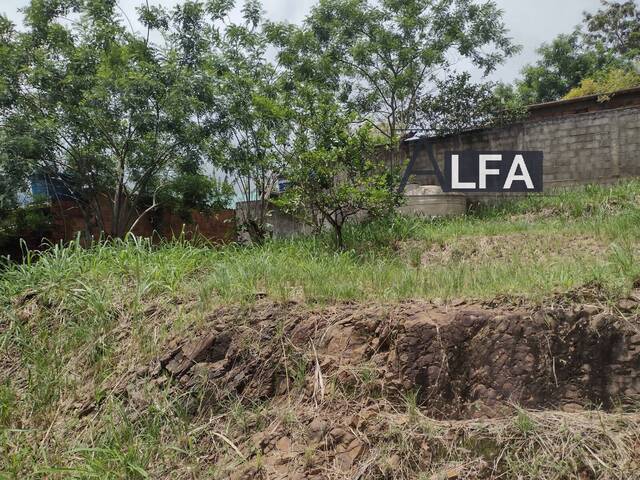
point(595, 147)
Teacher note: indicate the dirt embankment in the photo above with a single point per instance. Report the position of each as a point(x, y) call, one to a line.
point(462, 362)
point(389, 391)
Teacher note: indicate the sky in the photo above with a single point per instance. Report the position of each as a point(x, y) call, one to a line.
point(531, 22)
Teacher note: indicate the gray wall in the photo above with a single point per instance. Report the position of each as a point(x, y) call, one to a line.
point(599, 147)
point(281, 224)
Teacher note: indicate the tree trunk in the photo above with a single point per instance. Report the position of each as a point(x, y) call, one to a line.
point(118, 202)
point(337, 230)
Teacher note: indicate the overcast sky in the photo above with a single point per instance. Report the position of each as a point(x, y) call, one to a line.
point(531, 22)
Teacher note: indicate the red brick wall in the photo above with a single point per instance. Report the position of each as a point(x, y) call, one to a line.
point(217, 227)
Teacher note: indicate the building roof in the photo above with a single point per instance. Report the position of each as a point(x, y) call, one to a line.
point(628, 98)
point(591, 103)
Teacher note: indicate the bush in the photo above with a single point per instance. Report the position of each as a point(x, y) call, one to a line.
point(22, 222)
point(604, 83)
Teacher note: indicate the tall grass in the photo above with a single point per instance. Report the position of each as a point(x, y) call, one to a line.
point(98, 312)
point(373, 266)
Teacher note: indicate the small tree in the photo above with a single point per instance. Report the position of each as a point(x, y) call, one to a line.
point(333, 175)
point(254, 133)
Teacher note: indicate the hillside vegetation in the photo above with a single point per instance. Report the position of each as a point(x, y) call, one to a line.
point(85, 392)
point(530, 247)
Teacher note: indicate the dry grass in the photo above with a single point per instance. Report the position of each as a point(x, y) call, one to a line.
point(80, 324)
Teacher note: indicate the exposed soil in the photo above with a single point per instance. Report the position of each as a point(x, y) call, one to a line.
point(352, 373)
point(382, 391)
point(463, 361)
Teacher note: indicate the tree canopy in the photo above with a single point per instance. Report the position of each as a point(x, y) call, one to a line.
point(615, 27)
point(606, 42)
point(130, 121)
point(102, 109)
point(388, 59)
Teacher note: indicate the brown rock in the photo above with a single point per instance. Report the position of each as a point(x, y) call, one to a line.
point(346, 458)
point(317, 429)
point(210, 348)
point(283, 444)
point(590, 309)
point(340, 435)
point(598, 321)
point(453, 473)
point(627, 304)
point(166, 358)
point(572, 408)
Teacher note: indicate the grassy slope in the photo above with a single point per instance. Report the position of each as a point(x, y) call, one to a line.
point(544, 243)
point(105, 310)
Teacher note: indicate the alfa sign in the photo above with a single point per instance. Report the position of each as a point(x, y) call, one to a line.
point(504, 171)
point(478, 171)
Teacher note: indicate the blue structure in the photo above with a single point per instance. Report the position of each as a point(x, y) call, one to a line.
point(43, 186)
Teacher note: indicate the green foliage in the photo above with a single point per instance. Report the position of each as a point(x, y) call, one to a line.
point(381, 64)
point(254, 132)
point(606, 82)
point(77, 320)
point(615, 27)
point(196, 192)
point(464, 105)
point(7, 403)
point(20, 222)
point(102, 109)
point(563, 64)
point(384, 58)
point(607, 41)
point(372, 265)
point(524, 422)
point(333, 174)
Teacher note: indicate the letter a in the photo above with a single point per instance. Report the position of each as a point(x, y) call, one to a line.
point(518, 161)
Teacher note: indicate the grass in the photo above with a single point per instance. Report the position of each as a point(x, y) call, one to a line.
point(382, 262)
point(77, 322)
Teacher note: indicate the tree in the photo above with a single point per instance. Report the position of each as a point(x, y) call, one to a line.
point(333, 174)
point(464, 105)
point(12, 174)
point(102, 109)
point(563, 64)
point(616, 27)
point(607, 41)
point(253, 142)
point(387, 58)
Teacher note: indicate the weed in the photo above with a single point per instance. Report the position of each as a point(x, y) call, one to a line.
point(411, 403)
point(524, 423)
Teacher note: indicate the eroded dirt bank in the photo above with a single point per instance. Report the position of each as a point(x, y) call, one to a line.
point(400, 391)
point(416, 390)
point(462, 361)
